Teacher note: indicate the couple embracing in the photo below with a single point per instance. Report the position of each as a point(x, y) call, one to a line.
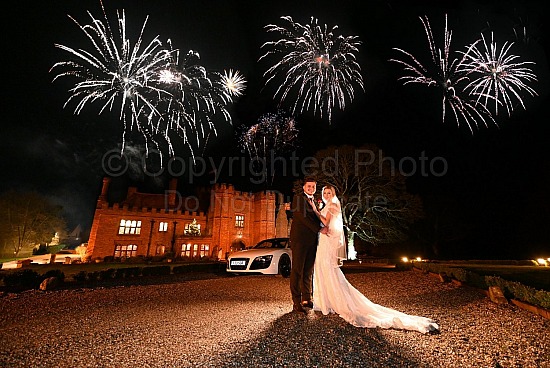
point(316, 280)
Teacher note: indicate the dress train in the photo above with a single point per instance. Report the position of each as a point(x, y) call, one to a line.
point(332, 293)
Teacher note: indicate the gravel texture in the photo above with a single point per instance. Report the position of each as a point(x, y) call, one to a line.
point(208, 320)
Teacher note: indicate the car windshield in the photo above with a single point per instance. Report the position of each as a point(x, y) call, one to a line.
point(271, 244)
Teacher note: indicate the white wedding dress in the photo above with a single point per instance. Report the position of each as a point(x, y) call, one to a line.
point(332, 293)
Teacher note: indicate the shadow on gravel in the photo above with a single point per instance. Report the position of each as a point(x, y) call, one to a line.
point(315, 340)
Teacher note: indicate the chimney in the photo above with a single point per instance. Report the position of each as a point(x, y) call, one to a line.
point(103, 196)
point(105, 188)
point(131, 192)
point(172, 189)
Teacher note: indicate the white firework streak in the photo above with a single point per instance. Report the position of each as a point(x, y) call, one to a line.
point(194, 99)
point(116, 70)
point(321, 66)
point(234, 82)
point(448, 77)
point(497, 75)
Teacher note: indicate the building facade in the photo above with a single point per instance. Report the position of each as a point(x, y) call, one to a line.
point(146, 224)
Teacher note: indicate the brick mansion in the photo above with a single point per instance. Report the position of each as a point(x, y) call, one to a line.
point(145, 224)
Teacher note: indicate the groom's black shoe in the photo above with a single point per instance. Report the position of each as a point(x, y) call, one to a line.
point(297, 308)
point(307, 304)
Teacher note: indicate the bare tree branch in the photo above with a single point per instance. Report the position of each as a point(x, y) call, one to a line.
point(26, 220)
point(375, 203)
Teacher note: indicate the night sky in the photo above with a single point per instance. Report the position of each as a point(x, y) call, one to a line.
point(496, 186)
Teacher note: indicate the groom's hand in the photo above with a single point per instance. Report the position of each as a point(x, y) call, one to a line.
point(324, 230)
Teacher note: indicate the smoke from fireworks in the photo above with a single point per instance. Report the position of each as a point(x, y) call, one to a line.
point(447, 77)
point(496, 73)
point(158, 96)
point(319, 65)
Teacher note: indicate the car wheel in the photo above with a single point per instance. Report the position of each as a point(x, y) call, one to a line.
point(284, 266)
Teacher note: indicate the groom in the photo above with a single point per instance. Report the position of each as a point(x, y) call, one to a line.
point(303, 242)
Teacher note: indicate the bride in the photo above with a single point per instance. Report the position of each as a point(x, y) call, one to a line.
point(332, 293)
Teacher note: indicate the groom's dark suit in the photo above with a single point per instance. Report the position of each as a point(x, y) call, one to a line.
point(303, 242)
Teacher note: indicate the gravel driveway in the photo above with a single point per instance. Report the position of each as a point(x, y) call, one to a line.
point(217, 321)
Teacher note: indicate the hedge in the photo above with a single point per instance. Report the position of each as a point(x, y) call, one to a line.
point(156, 271)
point(29, 279)
point(511, 289)
point(516, 290)
point(22, 280)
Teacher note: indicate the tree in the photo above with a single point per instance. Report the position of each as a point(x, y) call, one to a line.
point(27, 219)
point(376, 206)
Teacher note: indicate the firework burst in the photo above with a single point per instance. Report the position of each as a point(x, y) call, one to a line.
point(275, 132)
point(234, 82)
point(116, 70)
point(319, 65)
point(158, 96)
point(496, 74)
point(194, 100)
point(446, 75)
point(273, 135)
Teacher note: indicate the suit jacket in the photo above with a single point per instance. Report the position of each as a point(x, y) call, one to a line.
point(305, 223)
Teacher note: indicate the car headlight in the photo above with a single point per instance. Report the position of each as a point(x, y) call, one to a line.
point(261, 262)
point(263, 259)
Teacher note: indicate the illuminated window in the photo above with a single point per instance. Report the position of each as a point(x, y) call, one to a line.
point(239, 221)
point(192, 229)
point(160, 250)
point(204, 250)
point(129, 227)
point(163, 226)
point(125, 251)
point(186, 250)
point(195, 250)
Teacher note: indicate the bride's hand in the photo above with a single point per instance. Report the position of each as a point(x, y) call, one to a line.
point(315, 209)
